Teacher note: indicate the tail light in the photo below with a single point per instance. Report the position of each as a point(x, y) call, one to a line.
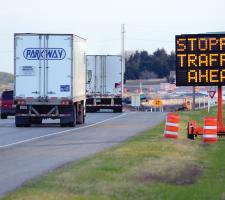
point(21, 102)
point(30, 99)
point(53, 99)
point(65, 102)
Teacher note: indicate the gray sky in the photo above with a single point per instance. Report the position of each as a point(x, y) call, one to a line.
point(150, 24)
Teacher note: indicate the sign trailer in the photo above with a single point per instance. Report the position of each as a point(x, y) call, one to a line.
point(200, 61)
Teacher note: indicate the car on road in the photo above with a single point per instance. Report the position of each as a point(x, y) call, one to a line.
point(7, 105)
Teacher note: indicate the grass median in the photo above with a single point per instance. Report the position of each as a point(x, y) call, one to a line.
point(144, 167)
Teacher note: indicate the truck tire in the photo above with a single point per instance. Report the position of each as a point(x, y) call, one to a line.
point(36, 120)
point(91, 109)
point(80, 114)
point(71, 120)
point(3, 116)
point(21, 121)
point(88, 110)
point(118, 110)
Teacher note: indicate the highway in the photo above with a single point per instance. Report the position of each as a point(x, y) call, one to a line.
point(26, 153)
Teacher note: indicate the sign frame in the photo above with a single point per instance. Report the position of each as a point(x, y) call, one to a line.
point(182, 74)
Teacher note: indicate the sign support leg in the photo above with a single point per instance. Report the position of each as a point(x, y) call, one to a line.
point(193, 105)
point(220, 111)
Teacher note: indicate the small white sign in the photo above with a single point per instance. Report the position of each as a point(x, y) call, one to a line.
point(106, 110)
point(23, 107)
point(27, 70)
point(135, 100)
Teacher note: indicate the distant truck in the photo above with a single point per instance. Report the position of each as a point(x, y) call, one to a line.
point(186, 106)
point(49, 78)
point(104, 83)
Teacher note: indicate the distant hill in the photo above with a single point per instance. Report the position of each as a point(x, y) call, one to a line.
point(6, 78)
point(6, 81)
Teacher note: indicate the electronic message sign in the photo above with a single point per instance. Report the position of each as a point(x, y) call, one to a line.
point(200, 60)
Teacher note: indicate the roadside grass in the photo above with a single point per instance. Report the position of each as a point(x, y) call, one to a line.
point(143, 168)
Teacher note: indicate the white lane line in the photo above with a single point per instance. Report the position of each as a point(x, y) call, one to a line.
point(60, 132)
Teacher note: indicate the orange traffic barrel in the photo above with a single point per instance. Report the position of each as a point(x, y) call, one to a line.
point(210, 130)
point(172, 125)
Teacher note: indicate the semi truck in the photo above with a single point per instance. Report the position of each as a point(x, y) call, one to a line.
point(104, 83)
point(50, 74)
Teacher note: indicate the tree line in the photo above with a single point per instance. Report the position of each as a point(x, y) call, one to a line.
point(142, 65)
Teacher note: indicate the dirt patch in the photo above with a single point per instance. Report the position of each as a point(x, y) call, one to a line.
point(188, 175)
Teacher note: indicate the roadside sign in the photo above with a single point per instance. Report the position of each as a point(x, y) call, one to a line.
point(211, 93)
point(157, 102)
point(135, 100)
point(200, 60)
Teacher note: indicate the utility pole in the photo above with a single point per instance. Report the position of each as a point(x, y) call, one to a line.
point(123, 55)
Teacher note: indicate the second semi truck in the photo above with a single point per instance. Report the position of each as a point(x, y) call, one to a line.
point(50, 74)
point(104, 83)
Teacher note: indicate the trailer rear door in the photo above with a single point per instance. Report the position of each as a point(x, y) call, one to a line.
point(28, 67)
point(104, 75)
point(59, 66)
point(43, 65)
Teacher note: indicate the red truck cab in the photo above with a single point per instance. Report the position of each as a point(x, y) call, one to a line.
point(6, 104)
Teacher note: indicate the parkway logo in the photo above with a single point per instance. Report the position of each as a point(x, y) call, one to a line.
point(44, 53)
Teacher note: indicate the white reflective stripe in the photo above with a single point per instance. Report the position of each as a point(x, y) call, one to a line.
point(210, 127)
point(170, 133)
point(209, 136)
point(171, 124)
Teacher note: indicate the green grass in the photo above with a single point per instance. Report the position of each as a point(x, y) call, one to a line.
point(144, 167)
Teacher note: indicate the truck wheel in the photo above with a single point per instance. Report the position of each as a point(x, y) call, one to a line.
point(22, 121)
point(67, 124)
point(87, 109)
point(118, 110)
point(36, 120)
point(3, 116)
point(80, 114)
point(90, 110)
point(84, 118)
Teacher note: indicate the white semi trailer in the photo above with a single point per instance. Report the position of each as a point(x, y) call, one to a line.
point(104, 83)
point(50, 74)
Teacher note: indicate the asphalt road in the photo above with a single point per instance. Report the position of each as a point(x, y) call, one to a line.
point(26, 153)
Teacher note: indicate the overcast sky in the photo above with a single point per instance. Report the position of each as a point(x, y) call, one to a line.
point(149, 24)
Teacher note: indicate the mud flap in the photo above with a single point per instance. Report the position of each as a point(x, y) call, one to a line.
point(22, 121)
point(68, 120)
